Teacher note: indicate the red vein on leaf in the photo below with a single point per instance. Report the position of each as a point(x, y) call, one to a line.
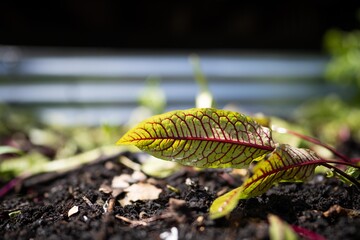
point(302, 164)
point(285, 168)
point(262, 147)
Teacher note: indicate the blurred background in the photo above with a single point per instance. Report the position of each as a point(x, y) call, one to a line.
point(88, 62)
point(95, 65)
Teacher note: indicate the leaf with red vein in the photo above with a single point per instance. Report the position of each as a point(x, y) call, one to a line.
point(285, 163)
point(202, 137)
point(224, 204)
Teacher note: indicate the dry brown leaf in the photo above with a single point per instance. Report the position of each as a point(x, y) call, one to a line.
point(175, 204)
point(337, 210)
point(121, 181)
point(116, 192)
point(138, 176)
point(105, 188)
point(140, 191)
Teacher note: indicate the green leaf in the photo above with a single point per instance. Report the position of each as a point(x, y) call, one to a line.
point(155, 167)
point(224, 204)
point(202, 137)
point(280, 230)
point(15, 213)
point(351, 171)
point(285, 163)
point(354, 172)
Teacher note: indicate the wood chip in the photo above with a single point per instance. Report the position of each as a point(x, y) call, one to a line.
point(111, 205)
point(73, 210)
point(88, 202)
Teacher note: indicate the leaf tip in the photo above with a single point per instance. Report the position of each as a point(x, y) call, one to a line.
point(119, 142)
point(224, 204)
point(123, 141)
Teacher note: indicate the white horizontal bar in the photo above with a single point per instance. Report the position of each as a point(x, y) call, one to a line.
point(170, 65)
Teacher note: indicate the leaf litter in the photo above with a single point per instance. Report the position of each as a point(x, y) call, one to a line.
point(140, 191)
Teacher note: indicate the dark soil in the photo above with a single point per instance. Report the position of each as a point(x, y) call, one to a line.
point(44, 207)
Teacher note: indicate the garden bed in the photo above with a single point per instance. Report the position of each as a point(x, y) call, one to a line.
point(40, 209)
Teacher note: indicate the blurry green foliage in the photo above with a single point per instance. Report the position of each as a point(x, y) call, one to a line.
point(204, 98)
point(40, 144)
point(344, 48)
point(9, 150)
point(31, 162)
point(280, 230)
point(334, 119)
point(153, 97)
point(12, 121)
point(156, 167)
point(331, 119)
point(152, 101)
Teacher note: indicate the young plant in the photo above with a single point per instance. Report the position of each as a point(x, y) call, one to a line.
point(212, 138)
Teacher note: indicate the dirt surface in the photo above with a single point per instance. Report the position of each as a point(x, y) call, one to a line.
point(40, 209)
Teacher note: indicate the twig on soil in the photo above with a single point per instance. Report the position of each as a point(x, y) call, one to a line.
point(111, 205)
point(144, 222)
point(88, 202)
point(173, 211)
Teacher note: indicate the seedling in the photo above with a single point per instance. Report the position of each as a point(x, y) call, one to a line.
point(212, 138)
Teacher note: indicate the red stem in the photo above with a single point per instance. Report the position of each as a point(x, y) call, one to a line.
point(318, 142)
point(341, 163)
point(8, 186)
point(307, 234)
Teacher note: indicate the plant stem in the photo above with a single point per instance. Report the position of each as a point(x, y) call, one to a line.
point(345, 175)
point(315, 141)
point(341, 163)
point(8, 186)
